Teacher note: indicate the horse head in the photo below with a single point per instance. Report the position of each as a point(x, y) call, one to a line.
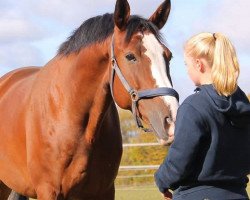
point(140, 78)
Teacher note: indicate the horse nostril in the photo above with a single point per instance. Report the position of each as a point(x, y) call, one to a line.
point(168, 120)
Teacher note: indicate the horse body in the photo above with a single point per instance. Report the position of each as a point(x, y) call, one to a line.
point(13, 87)
point(69, 137)
point(61, 138)
point(62, 141)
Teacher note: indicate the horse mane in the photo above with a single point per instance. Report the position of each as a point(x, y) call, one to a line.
point(99, 28)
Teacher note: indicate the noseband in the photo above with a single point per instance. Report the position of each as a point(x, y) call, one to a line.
point(134, 94)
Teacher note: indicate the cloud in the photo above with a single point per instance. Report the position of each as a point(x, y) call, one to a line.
point(144, 8)
point(17, 55)
point(77, 11)
point(226, 16)
point(229, 17)
point(232, 19)
point(13, 30)
point(30, 30)
point(17, 24)
point(72, 12)
point(19, 30)
point(32, 20)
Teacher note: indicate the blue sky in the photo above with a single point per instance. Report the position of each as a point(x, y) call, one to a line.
point(32, 30)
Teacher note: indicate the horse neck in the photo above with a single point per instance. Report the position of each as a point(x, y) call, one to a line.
point(84, 84)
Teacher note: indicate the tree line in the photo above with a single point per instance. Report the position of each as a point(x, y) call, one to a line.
point(134, 156)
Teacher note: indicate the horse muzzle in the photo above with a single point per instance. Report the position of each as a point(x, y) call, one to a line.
point(159, 117)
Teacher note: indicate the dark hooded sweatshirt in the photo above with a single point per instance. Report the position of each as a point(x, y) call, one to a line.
point(210, 156)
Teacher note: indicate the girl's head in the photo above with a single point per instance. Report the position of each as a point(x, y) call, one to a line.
point(211, 58)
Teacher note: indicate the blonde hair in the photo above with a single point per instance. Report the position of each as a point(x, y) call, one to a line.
point(220, 55)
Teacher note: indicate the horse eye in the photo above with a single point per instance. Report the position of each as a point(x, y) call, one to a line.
point(130, 57)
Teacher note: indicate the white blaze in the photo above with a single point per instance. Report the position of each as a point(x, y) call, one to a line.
point(155, 51)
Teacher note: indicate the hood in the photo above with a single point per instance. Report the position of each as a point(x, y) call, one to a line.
point(236, 107)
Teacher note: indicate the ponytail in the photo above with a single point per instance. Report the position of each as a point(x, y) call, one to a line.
point(221, 57)
point(225, 69)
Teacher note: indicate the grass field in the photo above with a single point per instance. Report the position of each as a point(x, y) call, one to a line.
point(143, 193)
point(138, 193)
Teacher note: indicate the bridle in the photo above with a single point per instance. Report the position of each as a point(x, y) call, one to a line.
point(134, 94)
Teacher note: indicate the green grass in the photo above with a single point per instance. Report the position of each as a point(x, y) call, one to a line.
point(138, 193)
point(144, 193)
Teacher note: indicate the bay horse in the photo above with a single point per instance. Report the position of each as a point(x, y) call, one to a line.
point(59, 127)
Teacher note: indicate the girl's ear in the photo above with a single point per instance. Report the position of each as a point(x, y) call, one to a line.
point(202, 65)
point(199, 65)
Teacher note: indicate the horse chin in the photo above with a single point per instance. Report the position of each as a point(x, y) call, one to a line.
point(164, 137)
point(166, 142)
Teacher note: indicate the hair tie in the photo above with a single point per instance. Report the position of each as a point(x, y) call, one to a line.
point(214, 36)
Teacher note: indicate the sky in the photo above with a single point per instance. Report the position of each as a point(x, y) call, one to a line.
point(32, 30)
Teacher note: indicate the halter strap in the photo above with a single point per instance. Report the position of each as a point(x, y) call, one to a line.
point(134, 94)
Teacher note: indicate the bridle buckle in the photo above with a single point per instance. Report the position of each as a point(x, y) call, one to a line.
point(134, 95)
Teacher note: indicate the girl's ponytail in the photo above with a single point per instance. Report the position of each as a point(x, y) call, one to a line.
point(225, 68)
point(220, 56)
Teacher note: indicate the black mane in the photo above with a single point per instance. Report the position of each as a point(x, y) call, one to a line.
point(98, 28)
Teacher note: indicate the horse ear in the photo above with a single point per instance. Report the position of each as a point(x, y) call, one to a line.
point(160, 16)
point(121, 14)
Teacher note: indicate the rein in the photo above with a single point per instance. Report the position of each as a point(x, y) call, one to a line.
point(134, 94)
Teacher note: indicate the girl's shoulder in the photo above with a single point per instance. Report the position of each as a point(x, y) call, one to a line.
point(199, 101)
point(197, 98)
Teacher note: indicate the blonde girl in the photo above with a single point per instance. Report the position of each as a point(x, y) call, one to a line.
point(210, 155)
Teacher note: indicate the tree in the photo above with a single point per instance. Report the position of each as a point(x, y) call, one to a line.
point(130, 132)
point(145, 155)
point(128, 126)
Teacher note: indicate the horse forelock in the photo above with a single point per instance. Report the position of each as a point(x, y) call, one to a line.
point(98, 29)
